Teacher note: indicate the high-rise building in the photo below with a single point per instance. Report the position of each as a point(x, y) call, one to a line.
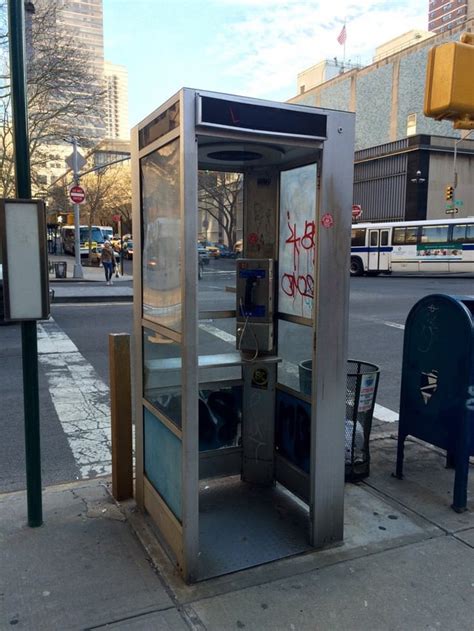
point(84, 20)
point(116, 101)
point(444, 16)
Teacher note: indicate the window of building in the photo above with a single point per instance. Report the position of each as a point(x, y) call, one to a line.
point(302, 87)
point(411, 124)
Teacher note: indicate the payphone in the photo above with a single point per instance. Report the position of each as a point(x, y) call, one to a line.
point(254, 307)
point(218, 395)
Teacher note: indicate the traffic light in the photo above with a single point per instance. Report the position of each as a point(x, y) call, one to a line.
point(449, 193)
point(449, 88)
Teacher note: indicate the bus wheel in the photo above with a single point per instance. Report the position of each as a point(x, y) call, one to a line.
point(357, 269)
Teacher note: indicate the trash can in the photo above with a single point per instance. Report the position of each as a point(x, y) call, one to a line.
point(361, 392)
point(60, 269)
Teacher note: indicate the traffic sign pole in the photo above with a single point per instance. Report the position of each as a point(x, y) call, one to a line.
point(29, 336)
point(78, 271)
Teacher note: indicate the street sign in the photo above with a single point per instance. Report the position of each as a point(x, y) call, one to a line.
point(77, 194)
point(81, 161)
point(356, 211)
point(116, 218)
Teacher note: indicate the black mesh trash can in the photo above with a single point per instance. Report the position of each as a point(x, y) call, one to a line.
point(361, 392)
point(60, 269)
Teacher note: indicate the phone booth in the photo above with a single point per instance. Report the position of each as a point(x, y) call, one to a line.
point(239, 441)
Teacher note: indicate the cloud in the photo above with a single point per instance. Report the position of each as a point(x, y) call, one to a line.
point(266, 43)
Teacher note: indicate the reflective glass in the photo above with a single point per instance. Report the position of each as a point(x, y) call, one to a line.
point(434, 234)
point(295, 349)
point(161, 262)
point(297, 245)
point(162, 374)
point(163, 460)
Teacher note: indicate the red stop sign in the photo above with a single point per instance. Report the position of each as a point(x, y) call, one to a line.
point(356, 211)
point(77, 194)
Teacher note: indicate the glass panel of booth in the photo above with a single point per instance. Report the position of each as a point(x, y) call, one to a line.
point(162, 375)
point(161, 238)
point(162, 460)
point(297, 244)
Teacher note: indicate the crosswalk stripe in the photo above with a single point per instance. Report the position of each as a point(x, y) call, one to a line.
point(80, 398)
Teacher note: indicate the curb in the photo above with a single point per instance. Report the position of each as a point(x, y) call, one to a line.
point(90, 299)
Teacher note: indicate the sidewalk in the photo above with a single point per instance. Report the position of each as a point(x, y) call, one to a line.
point(91, 288)
point(407, 562)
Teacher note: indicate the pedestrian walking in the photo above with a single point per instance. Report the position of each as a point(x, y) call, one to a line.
point(108, 261)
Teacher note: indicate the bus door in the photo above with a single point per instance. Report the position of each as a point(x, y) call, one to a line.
point(384, 251)
point(373, 259)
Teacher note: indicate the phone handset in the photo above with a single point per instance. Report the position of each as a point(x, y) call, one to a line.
point(249, 303)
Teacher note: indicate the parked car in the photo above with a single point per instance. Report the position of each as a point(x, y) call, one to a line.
point(213, 251)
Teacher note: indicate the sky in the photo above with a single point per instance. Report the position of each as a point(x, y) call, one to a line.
point(245, 47)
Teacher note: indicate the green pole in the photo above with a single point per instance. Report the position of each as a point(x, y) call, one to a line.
point(28, 329)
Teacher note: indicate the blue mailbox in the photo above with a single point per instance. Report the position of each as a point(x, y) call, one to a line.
point(437, 393)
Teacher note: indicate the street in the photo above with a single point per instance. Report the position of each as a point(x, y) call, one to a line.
point(73, 365)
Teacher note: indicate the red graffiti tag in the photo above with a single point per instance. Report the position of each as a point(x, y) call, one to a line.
point(294, 283)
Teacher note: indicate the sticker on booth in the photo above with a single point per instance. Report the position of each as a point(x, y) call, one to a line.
point(260, 379)
point(327, 220)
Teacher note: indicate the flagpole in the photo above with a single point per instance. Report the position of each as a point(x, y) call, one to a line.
point(344, 49)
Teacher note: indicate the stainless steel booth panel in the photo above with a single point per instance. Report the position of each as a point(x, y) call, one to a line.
point(212, 410)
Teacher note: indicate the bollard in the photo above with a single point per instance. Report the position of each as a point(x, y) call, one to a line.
point(121, 415)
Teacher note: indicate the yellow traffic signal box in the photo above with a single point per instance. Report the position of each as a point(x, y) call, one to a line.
point(449, 89)
point(449, 193)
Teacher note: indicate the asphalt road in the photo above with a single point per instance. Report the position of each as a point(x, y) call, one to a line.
point(378, 309)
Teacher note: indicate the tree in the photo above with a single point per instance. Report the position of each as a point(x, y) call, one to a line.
point(220, 195)
point(65, 91)
point(108, 193)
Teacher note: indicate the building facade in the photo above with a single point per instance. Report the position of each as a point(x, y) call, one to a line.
point(116, 101)
point(387, 95)
point(406, 180)
point(403, 160)
point(445, 15)
point(84, 19)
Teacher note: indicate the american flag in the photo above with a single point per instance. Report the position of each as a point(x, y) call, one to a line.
point(341, 38)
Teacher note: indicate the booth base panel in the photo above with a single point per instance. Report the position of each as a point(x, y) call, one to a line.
point(243, 525)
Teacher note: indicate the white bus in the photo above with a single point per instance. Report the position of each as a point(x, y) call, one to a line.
point(437, 245)
point(99, 234)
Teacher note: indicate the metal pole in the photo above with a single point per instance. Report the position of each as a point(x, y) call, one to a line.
point(78, 271)
point(464, 136)
point(28, 329)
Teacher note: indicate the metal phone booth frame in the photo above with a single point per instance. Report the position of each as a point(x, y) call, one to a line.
point(236, 492)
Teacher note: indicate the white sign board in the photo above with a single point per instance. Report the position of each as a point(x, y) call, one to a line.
point(25, 280)
point(297, 247)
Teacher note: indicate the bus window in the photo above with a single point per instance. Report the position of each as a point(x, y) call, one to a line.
point(470, 233)
point(384, 237)
point(459, 233)
point(411, 236)
point(398, 236)
point(374, 238)
point(358, 236)
point(434, 234)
